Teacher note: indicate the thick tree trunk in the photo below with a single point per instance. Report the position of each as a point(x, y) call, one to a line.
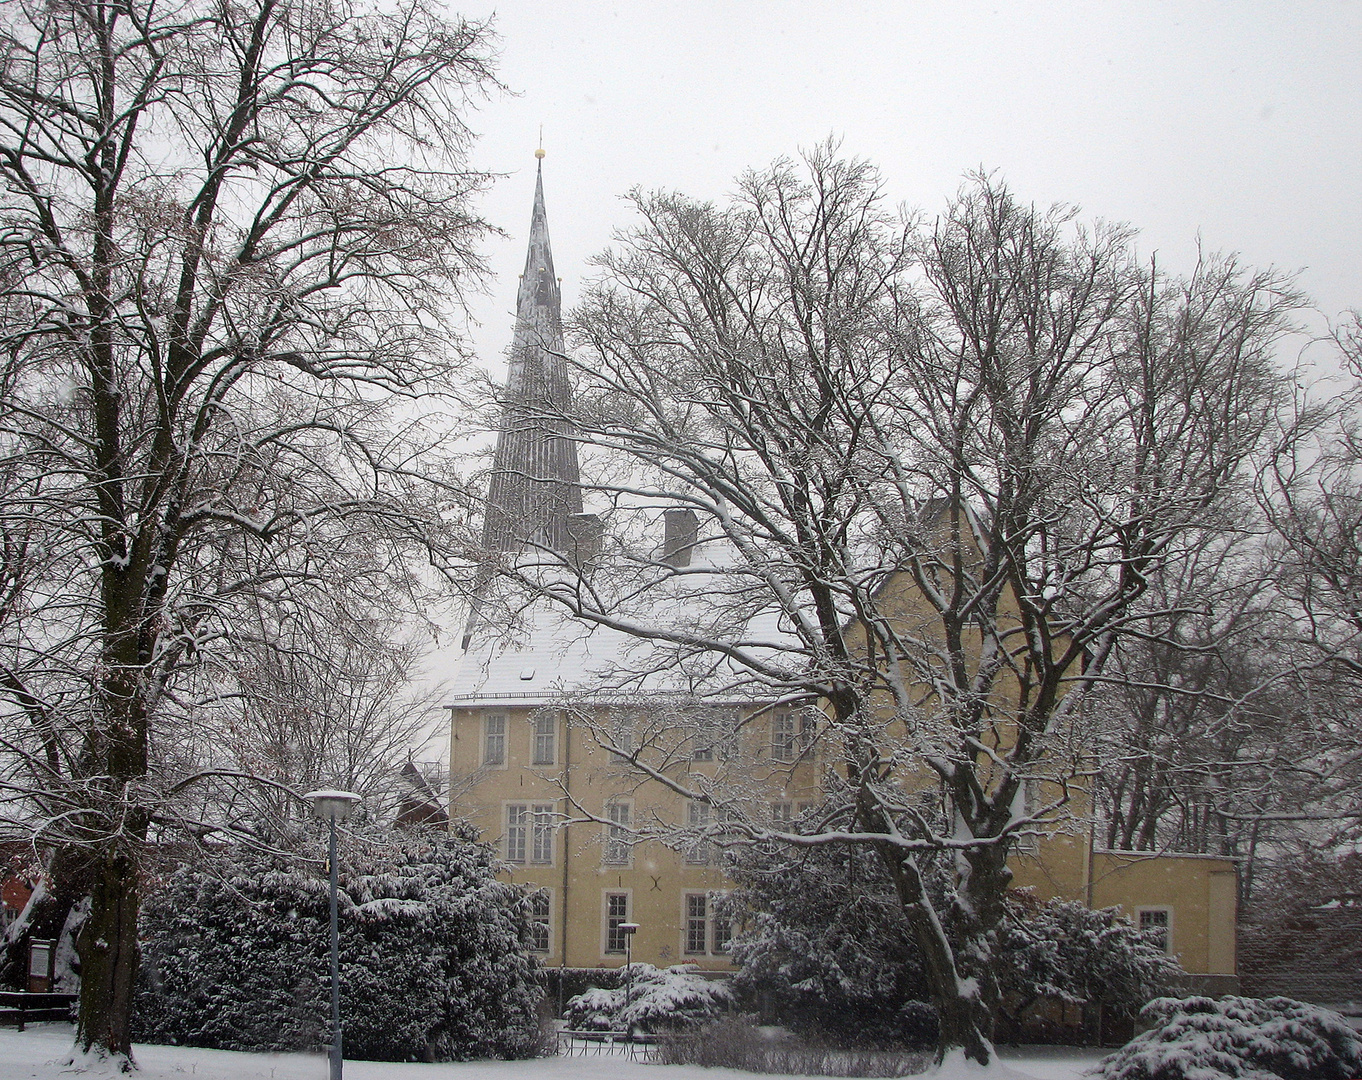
point(981, 904)
point(966, 1022)
point(107, 945)
point(116, 756)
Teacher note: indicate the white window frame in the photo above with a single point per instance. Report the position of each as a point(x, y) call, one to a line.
point(697, 818)
point(543, 827)
point(617, 851)
point(543, 739)
point(517, 818)
point(541, 921)
point(691, 923)
point(611, 920)
point(808, 730)
point(494, 748)
point(706, 926)
point(714, 733)
point(1166, 927)
point(785, 737)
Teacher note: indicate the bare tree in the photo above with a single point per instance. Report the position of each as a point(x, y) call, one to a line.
point(1210, 742)
point(943, 462)
point(1311, 496)
point(230, 234)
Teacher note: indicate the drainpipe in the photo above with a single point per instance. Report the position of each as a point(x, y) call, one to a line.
point(567, 848)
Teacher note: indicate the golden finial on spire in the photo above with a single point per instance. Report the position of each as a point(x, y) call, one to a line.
point(540, 152)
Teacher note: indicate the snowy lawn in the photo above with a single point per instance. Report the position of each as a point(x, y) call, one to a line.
point(39, 1051)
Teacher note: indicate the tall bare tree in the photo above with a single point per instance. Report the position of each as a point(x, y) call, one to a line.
point(943, 460)
point(231, 233)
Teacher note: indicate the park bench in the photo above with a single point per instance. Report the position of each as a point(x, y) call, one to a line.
point(23, 1005)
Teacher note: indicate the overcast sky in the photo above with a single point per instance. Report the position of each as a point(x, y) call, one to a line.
point(1236, 121)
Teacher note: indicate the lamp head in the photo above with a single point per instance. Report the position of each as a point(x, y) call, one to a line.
point(628, 928)
point(331, 805)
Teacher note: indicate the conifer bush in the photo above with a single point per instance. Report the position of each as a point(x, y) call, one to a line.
point(659, 999)
point(1237, 1038)
point(236, 955)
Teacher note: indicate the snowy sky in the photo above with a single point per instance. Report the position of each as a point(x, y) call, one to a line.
point(1238, 121)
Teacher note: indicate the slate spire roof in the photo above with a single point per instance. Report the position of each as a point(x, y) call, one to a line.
point(535, 483)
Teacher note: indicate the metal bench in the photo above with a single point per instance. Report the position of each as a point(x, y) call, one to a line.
point(583, 1043)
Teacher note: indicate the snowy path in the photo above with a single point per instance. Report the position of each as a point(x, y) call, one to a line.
point(38, 1052)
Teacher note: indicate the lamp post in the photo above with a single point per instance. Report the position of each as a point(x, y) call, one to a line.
point(333, 806)
point(628, 929)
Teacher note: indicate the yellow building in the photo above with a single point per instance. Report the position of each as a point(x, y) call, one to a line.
point(532, 709)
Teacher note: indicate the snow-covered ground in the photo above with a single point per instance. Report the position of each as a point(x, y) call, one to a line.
point(40, 1051)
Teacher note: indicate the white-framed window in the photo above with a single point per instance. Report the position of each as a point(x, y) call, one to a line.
point(782, 813)
point(622, 731)
point(541, 834)
point(723, 931)
point(617, 845)
point(703, 933)
point(494, 739)
point(697, 817)
point(544, 739)
point(714, 733)
point(697, 924)
point(784, 736)
point(541, 907)
point(517, 824)
point(616, 914)
point(808, 730)
point(1160, 920)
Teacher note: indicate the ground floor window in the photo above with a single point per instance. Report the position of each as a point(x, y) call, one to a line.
point(540, 906)
point(616, 915)
point(1158, 920)
point(704, 931)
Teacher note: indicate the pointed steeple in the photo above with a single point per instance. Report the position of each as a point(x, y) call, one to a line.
point(535, 485)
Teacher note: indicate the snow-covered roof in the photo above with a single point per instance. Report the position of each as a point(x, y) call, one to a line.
point(548, 655)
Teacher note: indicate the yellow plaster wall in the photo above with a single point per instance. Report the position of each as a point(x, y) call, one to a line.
point(656, 878)
point(1199, 891)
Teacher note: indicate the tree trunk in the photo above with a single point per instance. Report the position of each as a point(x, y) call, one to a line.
point(963, 1014)
point(107, 945)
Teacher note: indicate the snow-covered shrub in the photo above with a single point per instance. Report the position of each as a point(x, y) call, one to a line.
point(1063, 951)
point(666, 999)
point(1237, 1038)
point(825, 949)
point(737, 1044)
point(236, 954)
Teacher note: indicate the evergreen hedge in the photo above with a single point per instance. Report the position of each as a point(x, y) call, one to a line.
point(433, 966)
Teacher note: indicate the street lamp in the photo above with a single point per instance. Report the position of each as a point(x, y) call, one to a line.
point(333, 806)
point(628, 929)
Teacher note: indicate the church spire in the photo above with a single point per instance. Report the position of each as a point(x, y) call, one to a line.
point(535, 484)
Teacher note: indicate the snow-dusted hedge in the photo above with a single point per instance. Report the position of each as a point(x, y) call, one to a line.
point(826, 950)
point(1063, 951)
point(236, 955)
point(666, 999)
point(1237, 1038)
